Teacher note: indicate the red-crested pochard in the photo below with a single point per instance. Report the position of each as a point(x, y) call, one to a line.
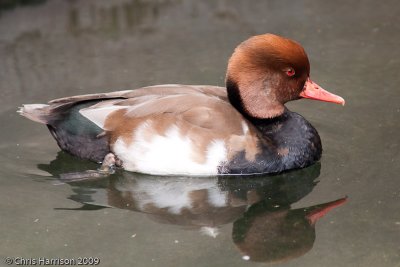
point(199, 129)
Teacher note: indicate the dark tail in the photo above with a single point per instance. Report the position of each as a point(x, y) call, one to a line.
point(74, 133)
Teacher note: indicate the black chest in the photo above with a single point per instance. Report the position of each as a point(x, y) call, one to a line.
point(286, 142)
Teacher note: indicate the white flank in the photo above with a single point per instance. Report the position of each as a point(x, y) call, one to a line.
point(168, 154)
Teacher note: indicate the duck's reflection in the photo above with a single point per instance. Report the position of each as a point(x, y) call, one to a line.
point(267, 233)
point(265, 228)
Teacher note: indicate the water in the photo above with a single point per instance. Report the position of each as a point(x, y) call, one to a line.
point(50, 49)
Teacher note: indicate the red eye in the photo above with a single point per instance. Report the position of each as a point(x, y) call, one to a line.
point(290, 72)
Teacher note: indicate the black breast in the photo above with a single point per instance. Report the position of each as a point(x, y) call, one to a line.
point(288, 142)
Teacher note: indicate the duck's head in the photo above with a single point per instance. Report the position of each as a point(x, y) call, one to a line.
point(266, 71)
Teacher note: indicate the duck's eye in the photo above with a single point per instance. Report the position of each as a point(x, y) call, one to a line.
point(290, 72)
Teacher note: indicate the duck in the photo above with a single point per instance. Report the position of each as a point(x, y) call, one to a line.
point(243, 128)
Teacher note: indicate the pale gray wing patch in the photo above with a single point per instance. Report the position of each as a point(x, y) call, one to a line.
point(99, 115)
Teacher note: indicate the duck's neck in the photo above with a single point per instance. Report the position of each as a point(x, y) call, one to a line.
point(234, 96)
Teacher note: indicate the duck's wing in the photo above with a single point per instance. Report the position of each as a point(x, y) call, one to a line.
point(46, 113)
point(200, 106)
point(202, 127)
point(155, 100)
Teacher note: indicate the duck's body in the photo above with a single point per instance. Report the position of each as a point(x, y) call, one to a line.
point(192, 130)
